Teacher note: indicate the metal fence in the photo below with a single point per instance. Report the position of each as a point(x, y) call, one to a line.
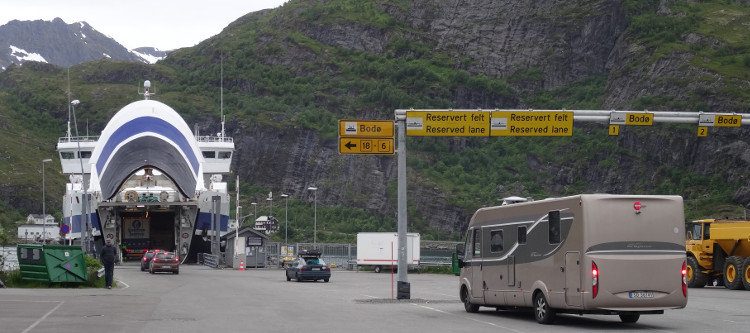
point(432, 253)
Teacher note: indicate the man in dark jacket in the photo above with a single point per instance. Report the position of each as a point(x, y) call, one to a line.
point(107, 257)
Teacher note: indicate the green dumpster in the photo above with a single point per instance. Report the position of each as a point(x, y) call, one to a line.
point(454, 265)
point(52, 263)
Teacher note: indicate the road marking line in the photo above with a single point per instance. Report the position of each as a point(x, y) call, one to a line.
point(476, 320)
point(493, 324)
point(433, 309)
point(43, 317)
point(126, 285)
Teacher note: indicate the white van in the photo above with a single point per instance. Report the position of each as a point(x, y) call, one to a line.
point(591, 253)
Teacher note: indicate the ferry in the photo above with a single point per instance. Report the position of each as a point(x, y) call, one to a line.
point(147, 182)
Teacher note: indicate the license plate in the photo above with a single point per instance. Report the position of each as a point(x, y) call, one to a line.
point(165, 266)
point(641, 294)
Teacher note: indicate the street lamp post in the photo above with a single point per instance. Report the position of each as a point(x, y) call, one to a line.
point(44, 207)
point(315, 218)
point(286, 223)
point(270, 211)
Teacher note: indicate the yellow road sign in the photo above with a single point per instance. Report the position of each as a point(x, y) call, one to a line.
point(720, 120)
point(447, 123)
point(350, 145)
point(366, 128)
point(531, 123)
point(723, 120)
point(632, 118)
point(614, 129)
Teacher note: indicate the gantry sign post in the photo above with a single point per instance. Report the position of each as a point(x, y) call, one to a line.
point(554, 123)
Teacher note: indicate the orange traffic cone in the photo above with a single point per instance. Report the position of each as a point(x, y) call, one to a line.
point(242, 265)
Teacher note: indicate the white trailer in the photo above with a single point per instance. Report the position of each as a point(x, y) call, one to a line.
point(380, 250)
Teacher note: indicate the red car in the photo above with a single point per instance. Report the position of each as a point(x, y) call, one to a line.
point(165, 262)
point(146, 261)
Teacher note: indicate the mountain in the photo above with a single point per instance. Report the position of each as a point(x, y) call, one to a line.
point(290, 73)
point(63, 44)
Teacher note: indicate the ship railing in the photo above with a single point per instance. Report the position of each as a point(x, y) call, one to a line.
point(87, 138)
point(211, 138)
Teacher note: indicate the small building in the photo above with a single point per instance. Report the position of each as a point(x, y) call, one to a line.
point(34, 233)
point(266, 224)
point(40, 219)
point(254, 245)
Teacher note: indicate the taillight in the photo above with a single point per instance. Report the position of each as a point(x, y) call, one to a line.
point(304, 268)
point(127, 250)
point(594, 280)
point(176, 259)
point(144, 258)
point(327, 268)
point(684, 278)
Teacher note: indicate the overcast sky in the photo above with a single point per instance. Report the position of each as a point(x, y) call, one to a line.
point(164, 24)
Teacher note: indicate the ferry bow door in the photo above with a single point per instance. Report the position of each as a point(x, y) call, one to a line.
point(573, 279)
point(477, 283)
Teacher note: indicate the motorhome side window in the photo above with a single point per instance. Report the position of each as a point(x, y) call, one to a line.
point(554, 227)
point(496, 241)
point(467, 244)
point(477, 238)
point(521, 235)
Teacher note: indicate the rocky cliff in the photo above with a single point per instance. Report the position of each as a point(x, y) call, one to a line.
point(561, 43)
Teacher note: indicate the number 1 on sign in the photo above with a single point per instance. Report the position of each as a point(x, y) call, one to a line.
point(614, 129)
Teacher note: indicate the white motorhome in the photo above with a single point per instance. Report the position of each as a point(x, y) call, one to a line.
point(380, 250)
point(591, 253)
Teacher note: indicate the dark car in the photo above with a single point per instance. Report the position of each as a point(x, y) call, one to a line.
point(146, 260)
point(165, 262)
point(309, 266)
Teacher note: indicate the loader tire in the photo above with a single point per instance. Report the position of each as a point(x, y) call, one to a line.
point(733, 272)
point(695, 276)
point(746, 274)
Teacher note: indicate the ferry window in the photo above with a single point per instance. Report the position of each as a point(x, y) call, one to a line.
point(209, 154)
point(225, 154)
point(477, 242)
point(521, 235)
point(554, 227)
point(496, 241)
point(84, 154)
point(67, 155)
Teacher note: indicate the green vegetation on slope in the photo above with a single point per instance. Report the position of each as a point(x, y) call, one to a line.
point(331, 83)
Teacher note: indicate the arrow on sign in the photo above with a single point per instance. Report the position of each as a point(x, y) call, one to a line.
point(350, 145)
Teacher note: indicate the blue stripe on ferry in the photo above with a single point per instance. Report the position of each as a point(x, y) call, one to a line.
point(147, 124)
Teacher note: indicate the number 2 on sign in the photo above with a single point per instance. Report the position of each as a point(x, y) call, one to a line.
point(702, 131)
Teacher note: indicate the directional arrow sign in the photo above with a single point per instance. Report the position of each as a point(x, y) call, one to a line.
point(373, 146)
